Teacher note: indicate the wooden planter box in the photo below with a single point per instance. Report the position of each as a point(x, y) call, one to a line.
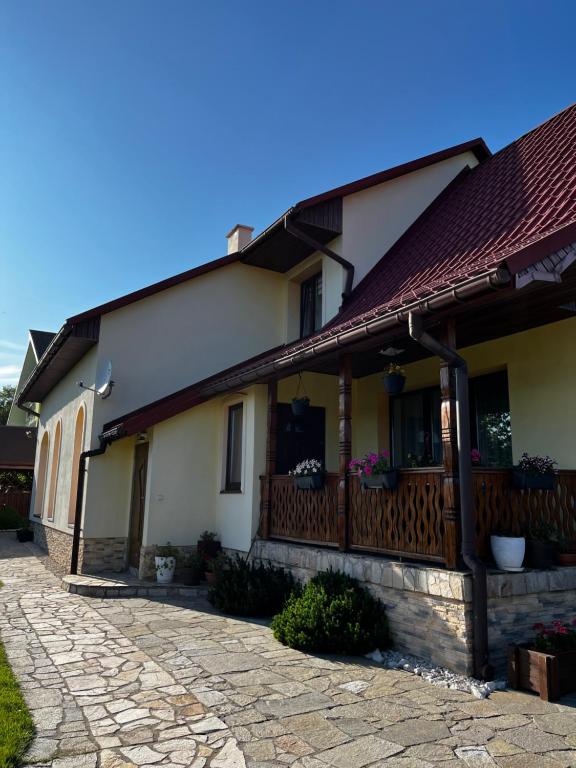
point(551, 675)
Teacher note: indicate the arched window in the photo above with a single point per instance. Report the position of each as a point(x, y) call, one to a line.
point(78, 443)
point(41, 476)
point(54, 470)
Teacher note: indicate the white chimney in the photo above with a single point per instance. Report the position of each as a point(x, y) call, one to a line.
point(238, 237)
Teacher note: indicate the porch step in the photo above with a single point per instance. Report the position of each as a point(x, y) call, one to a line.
point(126, 585)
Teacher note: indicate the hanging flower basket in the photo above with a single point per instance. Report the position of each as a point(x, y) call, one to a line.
point(394, 379)
point(300, 406)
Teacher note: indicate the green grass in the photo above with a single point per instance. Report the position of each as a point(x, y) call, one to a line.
point(16, 726)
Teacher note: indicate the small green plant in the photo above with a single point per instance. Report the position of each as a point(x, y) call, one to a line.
point(245, 589)
point(208, 536)
point(332, 614)
point(543, 531)
point(166, 550)
point(10, 518)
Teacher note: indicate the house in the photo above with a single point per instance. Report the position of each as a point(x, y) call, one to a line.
point(462, 247)
point(38, 342)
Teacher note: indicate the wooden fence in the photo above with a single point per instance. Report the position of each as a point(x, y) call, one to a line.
point(16, 498)
point(408, 521)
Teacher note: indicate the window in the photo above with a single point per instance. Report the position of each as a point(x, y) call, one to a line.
point(415, 422)
point(77, 450)
point(311, 305)
point(299, 437)
point(54, 470)
point(416, 432)
point(42, 472)
point(490, 419)
point(234, 448)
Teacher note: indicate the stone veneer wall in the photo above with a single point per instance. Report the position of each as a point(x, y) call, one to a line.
point(95, 556)
point(517, 601)
point(430, 609)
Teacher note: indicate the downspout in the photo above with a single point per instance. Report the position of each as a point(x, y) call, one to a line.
point(482, 666)
point(80, 501)
point(293, 230)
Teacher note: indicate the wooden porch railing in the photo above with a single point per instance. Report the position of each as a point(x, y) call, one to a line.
point(408, 521)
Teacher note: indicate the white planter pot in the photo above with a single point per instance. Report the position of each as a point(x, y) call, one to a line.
point(508, 552)
point(165, 567)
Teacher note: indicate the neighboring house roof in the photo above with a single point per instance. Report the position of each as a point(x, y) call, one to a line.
point(319, 215)
point(512, 210)
point(17, 447)
point(40, 341)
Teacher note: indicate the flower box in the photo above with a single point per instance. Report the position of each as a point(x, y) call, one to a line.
point(524, 481)
point(313, 482)
point(551, 675)
point(385, 480)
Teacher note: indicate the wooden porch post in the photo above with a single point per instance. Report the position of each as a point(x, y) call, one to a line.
point(344, 445)
point(270, 458)
point(451, 485)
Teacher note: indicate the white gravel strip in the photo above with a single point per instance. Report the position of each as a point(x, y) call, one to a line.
point(439, 676)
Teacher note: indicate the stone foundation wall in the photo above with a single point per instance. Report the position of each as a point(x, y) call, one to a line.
point(57, 544)
point(101, 555)
point(517, 601)
point(95, 555)
point(429, 608)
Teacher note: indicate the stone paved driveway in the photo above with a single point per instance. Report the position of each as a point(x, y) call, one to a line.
point(123, 683)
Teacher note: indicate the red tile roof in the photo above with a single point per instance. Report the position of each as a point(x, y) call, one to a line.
point(498, 212)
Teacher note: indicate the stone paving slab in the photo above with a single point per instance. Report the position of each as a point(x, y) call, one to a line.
point(140, 682)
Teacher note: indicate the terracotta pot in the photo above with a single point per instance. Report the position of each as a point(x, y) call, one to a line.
point(210, 577)
point(567, 558)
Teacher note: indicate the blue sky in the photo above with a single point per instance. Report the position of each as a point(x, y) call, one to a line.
point(135, 133)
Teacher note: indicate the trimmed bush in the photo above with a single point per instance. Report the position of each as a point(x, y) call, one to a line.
point(245, 589)
point(9, 518)
point(333, 614)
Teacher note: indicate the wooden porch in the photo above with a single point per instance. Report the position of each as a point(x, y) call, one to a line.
point(409, 521)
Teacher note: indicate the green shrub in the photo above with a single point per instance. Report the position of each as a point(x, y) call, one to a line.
point(9, 518)
point(333, 614)
point(245, 589)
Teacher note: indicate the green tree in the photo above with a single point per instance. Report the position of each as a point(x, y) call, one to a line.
point(7, 393)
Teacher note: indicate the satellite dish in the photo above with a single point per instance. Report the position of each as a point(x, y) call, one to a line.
point(104, 382)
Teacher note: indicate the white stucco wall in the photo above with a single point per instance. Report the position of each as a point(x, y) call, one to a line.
point(186, 474)
point(63, 402)
point(186, 333)
point(375, 218)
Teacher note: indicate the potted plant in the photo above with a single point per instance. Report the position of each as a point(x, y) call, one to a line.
point(300, 405)
point(567, 553)
point(535, 473)
point(476, 457)
point(547, 665)
point(508, 550)
point(542, 546)
point(208, 544)
point(165, 562)
point(26, 533)
point(308, 475)
point(191, 570)
point(374, 471)
point(212, 567)
point(394, 379)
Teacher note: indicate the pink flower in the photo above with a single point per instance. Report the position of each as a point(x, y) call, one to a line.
point(367, 471)
point(385, 454)
point(563, 631)
point(539, 626)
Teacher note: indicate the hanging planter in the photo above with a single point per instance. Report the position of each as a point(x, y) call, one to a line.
point(394, 379)
point(301, 402)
